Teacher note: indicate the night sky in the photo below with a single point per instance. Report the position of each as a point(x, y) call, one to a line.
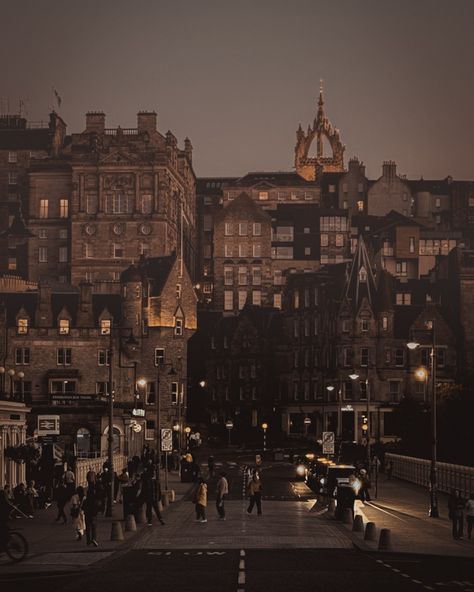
point(238, 76)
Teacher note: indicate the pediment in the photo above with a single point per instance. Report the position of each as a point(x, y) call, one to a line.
point(122, 157)
point(262, 185)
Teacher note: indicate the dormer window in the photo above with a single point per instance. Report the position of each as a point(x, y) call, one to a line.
point(105, 326)
point(178, 327)
point(22, 326)
point(63, 326)
point(362, 275)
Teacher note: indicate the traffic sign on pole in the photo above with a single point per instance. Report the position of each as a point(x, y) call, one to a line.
point(48, 425)
point(166, 440)
point(328, 442)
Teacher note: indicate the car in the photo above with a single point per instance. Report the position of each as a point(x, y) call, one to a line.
point(302, 463)
point(316, 472)
point(336, 475)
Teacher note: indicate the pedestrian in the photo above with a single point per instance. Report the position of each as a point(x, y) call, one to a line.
point(470, 514)
point(456, 507)
point(31, 498)
point(200, 500)
point(254, 490)
point(389, 470)
point(364, 486)
point(151, 493)
point(61, 500)
point(222, 489)
point(90, 506)
point(70, 481)
point(123, 481)
point(210, 466)
point(6, 509)
point(77, 512)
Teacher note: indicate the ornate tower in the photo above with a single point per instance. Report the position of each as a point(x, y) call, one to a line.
point(311, 167)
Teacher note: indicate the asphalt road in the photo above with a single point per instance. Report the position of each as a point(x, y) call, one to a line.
point(220, 568)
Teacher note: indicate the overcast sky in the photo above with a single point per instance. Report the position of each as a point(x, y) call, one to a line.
point(238, 76)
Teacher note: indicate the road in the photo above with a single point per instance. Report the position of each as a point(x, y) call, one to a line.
point(288, 548)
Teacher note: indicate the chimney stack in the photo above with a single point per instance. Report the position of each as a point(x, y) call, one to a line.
point(146, 121)
point(84, 313)
point(95, 122)
point(389, 169)
point(44, 314)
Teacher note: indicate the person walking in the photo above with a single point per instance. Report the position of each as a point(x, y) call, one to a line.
point(200, 498)
point(151, 493)
point(364, 486)
point(61, 495)
point(456, 507)
point(70, 481)
point(90, 506)
point(123, 481)
point(254, 490)
point(470, 514)
point(222, 489)
point(77, 513)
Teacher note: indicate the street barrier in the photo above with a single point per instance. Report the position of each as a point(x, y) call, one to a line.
point(130, 524)
point(417, 470)
point(385, 542)
point(83, 466)
point(358, 524)
point(116, 533)
point(370, 533)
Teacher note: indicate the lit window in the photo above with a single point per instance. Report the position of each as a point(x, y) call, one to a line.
point(42, 255)
point(243, 276)
point(63, 208)
point(339, 240)
point(324, 240)
point(263, 195)
point(277, 301)
point(43, 208)
point(412, 244)
point(403, 298)
point(64, 326)
point(242, 299)
point(360, 206)
point(401, 268)
point(277, 277)
point(228, 276)
point(307, 251)
point(22, 326)
point(385, 323)
point(228, 300)
point(88, 250)
point(362, 275)
point(105, 326)
point(257, 297)
point(12, 157)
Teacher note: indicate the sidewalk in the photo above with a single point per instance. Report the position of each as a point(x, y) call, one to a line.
point(403, 508)
point(53, 547)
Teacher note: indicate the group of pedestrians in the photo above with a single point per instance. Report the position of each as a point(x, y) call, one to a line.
point(457, 506)
point(200, 496)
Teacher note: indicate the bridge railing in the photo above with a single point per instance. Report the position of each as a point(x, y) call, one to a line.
point(84, 465)
point(417, 470)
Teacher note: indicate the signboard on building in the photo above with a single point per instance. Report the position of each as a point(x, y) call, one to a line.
point(166, 440)
point(48, 425)
point(138, 412)
point(328, 442)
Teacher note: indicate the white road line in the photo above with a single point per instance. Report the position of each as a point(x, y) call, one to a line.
point(404, 575)
point(416, 581)
point(242, 564)
point(241, 579)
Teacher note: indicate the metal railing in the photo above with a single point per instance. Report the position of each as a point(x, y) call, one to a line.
point(417, 470)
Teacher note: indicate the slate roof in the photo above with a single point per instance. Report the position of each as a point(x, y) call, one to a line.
point(278, 179)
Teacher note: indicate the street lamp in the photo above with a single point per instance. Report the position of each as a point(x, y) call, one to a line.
point(307, 423)
point(264, 428)
point(187, 431)
point(229, 424)
point(412, 345)
point(366, 426)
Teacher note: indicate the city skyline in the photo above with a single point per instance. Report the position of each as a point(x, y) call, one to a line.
point(226, 77)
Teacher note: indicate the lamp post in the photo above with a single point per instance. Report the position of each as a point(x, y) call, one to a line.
point(329, 389)
point(264, 428)
point(229, 424)
point(187, 431)
point(11, 374)
point(366, 426)
point(307, 423)
point(2, 380)
point(21, 376)
point(412, 345)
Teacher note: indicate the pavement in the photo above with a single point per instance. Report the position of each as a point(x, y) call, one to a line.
point(403, 508)
point(53, 548)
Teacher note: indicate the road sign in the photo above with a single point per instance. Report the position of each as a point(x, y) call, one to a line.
point(328, 442)
point(48, 425)
point(166, 440)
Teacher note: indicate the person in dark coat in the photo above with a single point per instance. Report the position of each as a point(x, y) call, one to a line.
point(90, 505)
point(456, 513)
point(61, 496)
point(151, 494)
point(5, 510)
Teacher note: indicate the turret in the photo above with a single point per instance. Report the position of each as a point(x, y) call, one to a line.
point(131, 282)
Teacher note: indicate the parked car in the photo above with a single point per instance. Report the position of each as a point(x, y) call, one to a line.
point(317, 472)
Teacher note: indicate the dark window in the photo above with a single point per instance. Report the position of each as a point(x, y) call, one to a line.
point(159, 356)
point(64, 356)
point(399, 357)
point(22, 356)
point(348, 390)
point(103, 357)
point(364, 356)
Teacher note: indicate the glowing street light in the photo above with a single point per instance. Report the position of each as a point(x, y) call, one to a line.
point(264, 428)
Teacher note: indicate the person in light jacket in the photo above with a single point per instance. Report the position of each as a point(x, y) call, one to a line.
point(222, 489)
point(201, 501)
point(77, 513)
point(470, 514)
point(254, 490)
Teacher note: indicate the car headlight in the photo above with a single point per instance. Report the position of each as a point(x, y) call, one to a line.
point(300, 470)
point(322, 480)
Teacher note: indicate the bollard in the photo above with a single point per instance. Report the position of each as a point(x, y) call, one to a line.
point(347, 516)
point(116, 533)
point(385, 543)
point(140, 516)
point(130, 524)
point(332, 506)
point(160, 506)
point(171, 495)
point(370, 534)
point(165, 499)
point(358, 525)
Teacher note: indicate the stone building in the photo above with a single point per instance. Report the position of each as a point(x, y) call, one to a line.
point(61, 350)
point(389, 192)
